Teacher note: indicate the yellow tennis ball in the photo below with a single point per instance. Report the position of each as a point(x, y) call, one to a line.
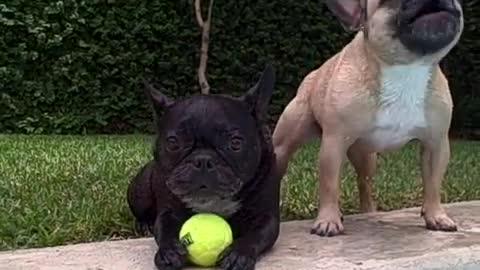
point(205, 236)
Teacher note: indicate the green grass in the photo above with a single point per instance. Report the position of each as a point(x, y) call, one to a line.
point(60, 190)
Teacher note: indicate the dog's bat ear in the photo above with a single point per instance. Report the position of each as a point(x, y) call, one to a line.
point(348, 12)
point(158, 100)
point(258, 97)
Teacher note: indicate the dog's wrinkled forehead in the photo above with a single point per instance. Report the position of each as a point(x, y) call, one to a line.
point(207, 112)
point(371, 6)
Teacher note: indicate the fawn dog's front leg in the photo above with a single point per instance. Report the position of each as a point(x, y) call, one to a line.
point(435, 159)
point(332, 154)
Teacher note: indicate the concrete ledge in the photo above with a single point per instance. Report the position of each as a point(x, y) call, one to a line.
point(389, 240)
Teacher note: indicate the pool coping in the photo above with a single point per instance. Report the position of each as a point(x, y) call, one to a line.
point(384, 240)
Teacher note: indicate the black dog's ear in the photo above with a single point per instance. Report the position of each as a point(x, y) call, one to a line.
point(258, 97)
point(159, 100)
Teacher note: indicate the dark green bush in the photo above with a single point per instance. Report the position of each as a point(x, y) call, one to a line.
point(72, 66)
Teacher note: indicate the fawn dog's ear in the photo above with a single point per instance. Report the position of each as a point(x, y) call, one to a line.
point(348, 12)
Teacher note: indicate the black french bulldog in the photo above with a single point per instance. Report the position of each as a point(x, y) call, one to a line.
point(213, 153)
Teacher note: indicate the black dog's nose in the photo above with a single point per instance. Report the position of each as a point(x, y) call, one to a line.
point(203, 162)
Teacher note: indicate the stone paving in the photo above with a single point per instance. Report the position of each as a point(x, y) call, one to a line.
point(385, 240)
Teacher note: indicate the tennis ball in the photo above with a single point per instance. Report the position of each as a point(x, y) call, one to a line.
point(205, 236)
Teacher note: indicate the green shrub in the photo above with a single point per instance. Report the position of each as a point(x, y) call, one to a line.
point(72, 66)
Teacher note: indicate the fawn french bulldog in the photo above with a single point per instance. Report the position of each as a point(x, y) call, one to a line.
point(382, 90)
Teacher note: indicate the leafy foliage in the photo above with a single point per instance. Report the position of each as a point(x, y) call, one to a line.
point(72, 66)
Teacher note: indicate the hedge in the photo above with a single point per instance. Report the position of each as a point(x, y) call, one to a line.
point(75, 67)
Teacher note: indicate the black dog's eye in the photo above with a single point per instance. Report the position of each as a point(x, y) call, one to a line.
point(172, 143)
point(236, 143)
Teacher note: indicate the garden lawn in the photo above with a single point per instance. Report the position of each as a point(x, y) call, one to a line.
point(58, 190)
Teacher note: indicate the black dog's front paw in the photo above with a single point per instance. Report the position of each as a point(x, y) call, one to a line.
point(143, 228)
point(234, 259)
point(171, 257)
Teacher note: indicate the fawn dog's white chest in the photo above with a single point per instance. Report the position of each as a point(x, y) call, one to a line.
point(401, 108)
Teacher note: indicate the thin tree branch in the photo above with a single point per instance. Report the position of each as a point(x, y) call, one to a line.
point(198, 13)
point(202, 77)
